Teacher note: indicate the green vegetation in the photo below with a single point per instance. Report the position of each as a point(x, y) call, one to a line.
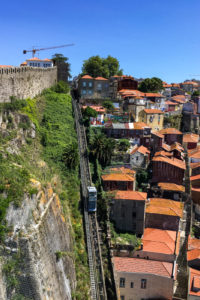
point(45, 159)
point(153, 84)
point(87, 114)
point(142, 179)
point(61, 87)
point(106, 67)
point(62, 62)
point(109, 106)
point(196, 94)
point(124, 238)
point(14, 105)
point(123, 145)
point(173, 121)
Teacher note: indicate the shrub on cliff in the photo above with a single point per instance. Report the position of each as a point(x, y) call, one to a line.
point(61, 87)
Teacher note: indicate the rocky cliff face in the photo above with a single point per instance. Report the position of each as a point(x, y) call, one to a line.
point(37, 259)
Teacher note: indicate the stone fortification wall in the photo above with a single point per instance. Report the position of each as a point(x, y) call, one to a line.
point(25, 82)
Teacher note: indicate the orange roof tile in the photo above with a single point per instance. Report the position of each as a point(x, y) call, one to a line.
point(47, 59)
point(34, 59)
point(133, 93)
point(164, 207)
point(23, 63)
point(177, 146)
point(166, 147)
point(193, 243)
point(195, 165)
point(163, 153)
point(190, 82)
point(190, 138)
point(193, 254)
point(194, 153)
point(158, 240)
point(122, 170)
point(95, 107)
point(170, 103)
point(172, 161)
point(153, 111)
point(140, 125)
point(5, 66)
point(140, 149)
point(196, 177)
point(170, 131)
point(158, 134)
point(117, 177)
point(87, 77)
point(100, 78)
point(130, 195)
point(194, 282)
point(137, 265)
point(171, 187)
point(156, 95)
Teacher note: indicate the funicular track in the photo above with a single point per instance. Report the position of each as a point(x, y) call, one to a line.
point(98, 290)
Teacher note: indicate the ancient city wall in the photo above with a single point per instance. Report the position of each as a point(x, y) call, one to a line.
point(25, 82)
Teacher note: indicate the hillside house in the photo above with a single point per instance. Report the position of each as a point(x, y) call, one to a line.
point(127, 211)
point(139, 157)
point(117, 181)
point(100, 114)
point(163, 214)
point(190, 140)
point(155, 101)
point(39, 63)
point(93, 88)
point(189, 86)
point(194, 155)
point(171, 135)
point(166, 169)
point(152, 117)
point(138, 278)
point(194, 284)
point(169, 191)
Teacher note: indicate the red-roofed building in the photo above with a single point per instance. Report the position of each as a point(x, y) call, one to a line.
point(172, 135)
point(163, 214)
point(168, 170)
point(117, 181)
point(194, 284)
point(194, 155)
point(127, 211)
point(189, 86)
point(40, 63)
point(152, 117)
point(138, 278)
point(168, 191)
point(190, 140)
point(139, 157)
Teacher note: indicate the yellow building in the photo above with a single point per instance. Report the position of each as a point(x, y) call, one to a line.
point(152, 117)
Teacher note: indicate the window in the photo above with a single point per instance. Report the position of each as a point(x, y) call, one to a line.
point(90, 84)
point(99, 86)
point(84, 84)
point(132, 285)
point(133, 214)
point(122, 298)
point(137, 158)
point(83, 92)
point(122, 282)
point(151, 119)
point(38, 64)
point(143, 283)
point(90, 92)
point(31, 64)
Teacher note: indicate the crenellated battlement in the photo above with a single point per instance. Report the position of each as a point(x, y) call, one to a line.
point(24, 82)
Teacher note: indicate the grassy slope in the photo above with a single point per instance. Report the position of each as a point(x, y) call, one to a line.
point(52, 114)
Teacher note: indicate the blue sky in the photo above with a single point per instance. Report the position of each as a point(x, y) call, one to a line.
point(149, 37)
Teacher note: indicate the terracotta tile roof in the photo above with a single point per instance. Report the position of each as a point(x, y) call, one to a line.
point(100, 78)
point(170, 131)
point(140, 149)
point(190, 138)
point(193, 254)
point(172, 161)
point(137, 265)
point(22, 64)
point(171, 187)
point(123, 170)
point(117, 177)
point(46, 59)
point(159, 241)
point(5, 66)
point(130, 195)
point(193, 243)
point(156, 95)
point(163, 153)
point(134, 93)
point(165, 85)
point(164, 207)
point(194, 153)
point(140, 125)
point(177, 146)
point(153, 111)
point(194, 282)
point(170, 103)
point(190, 82)
point(166, 147)
point(87, 77)
point(158, 134)
point(34, 59)
point(95, 107)
point(196, 177)
point(195, 165)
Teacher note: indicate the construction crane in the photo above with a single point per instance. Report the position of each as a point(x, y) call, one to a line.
point(48, 48)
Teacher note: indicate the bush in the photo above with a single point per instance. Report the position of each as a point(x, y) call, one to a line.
point(61, 87)
point(14, 105)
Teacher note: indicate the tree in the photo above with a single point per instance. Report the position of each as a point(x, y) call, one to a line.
point(89, 113)
point(123, 145)
point(63, 66)
point(105, 67)
point(196, 93)
point(102, 148)
point(70, 156)
point(61, 87)
point(153, 84)
point(109, 106)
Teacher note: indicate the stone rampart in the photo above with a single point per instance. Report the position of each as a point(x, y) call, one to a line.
point(24, 82)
